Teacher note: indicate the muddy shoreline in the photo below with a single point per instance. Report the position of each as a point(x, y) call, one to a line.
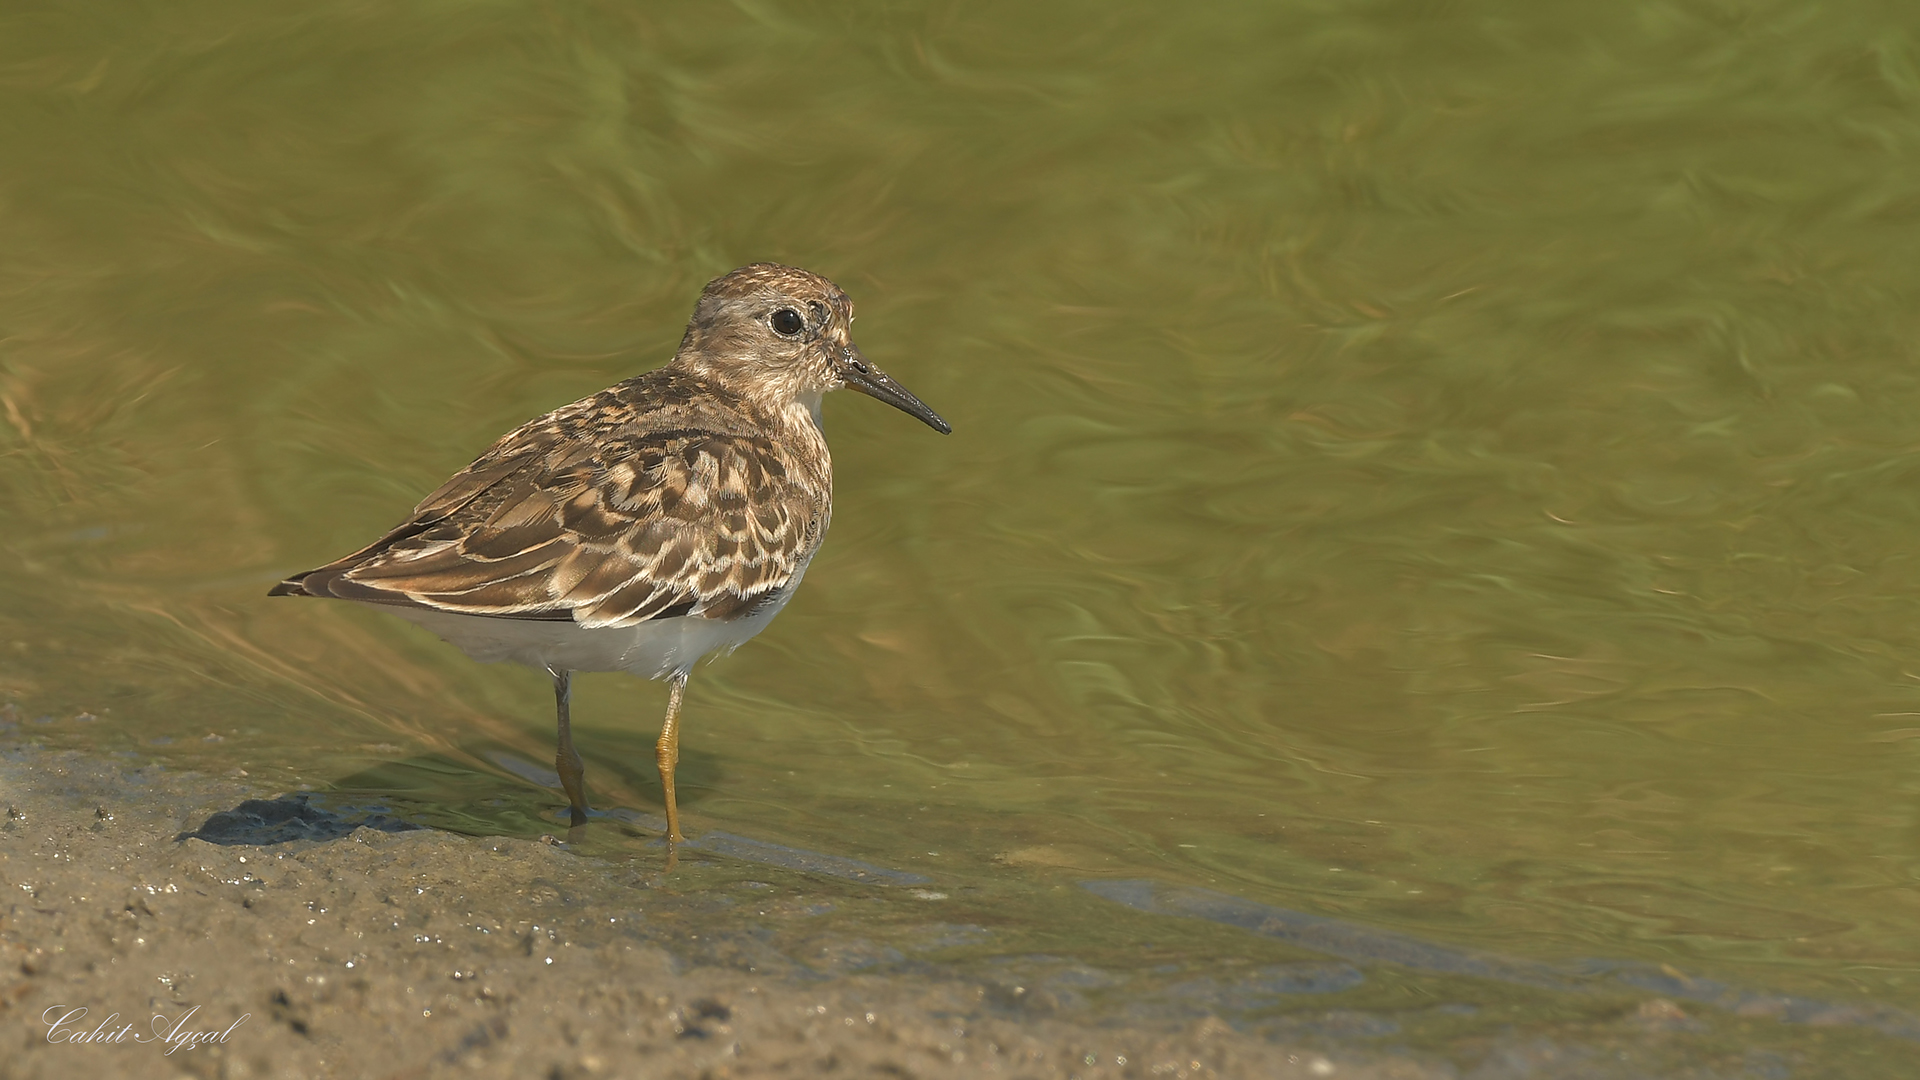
point(162, 922)
point(378, 949)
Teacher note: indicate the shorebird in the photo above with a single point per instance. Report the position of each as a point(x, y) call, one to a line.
point(639, 529)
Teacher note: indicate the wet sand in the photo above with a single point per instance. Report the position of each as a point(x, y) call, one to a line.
point(380, 950)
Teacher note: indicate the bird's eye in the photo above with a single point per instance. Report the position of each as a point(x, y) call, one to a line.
point(787, 322)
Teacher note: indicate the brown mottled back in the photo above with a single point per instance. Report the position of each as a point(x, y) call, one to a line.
point(701, 488)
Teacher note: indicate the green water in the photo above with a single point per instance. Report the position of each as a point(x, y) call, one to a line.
point(1447, 466)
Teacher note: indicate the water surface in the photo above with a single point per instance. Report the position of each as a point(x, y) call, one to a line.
point(1444, 467)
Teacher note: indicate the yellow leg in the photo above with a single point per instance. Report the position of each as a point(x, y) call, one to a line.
point(566, 760)
point(667, 753)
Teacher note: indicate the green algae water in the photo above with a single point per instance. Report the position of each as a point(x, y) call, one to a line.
point(1453, 469)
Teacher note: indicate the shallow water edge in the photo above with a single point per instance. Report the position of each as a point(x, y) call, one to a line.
point(358, 943)
point(380, 949)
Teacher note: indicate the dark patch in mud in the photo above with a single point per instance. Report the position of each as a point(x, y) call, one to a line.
point(260, 822)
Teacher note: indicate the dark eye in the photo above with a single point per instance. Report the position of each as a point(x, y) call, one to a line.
point(787, 322)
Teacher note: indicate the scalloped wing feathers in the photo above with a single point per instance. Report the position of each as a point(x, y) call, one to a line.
point(656, 498)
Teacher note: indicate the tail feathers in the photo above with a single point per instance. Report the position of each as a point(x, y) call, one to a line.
point(331, 583)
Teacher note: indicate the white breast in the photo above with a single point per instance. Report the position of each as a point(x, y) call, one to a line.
point(653, 649)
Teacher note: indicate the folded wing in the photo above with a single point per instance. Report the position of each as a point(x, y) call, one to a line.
point(609, 532)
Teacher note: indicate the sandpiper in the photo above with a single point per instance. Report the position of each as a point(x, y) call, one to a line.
point(648, 525)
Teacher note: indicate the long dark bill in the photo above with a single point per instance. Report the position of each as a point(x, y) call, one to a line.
point(873, 382)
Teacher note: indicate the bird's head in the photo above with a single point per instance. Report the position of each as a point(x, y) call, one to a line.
point(778, 334)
